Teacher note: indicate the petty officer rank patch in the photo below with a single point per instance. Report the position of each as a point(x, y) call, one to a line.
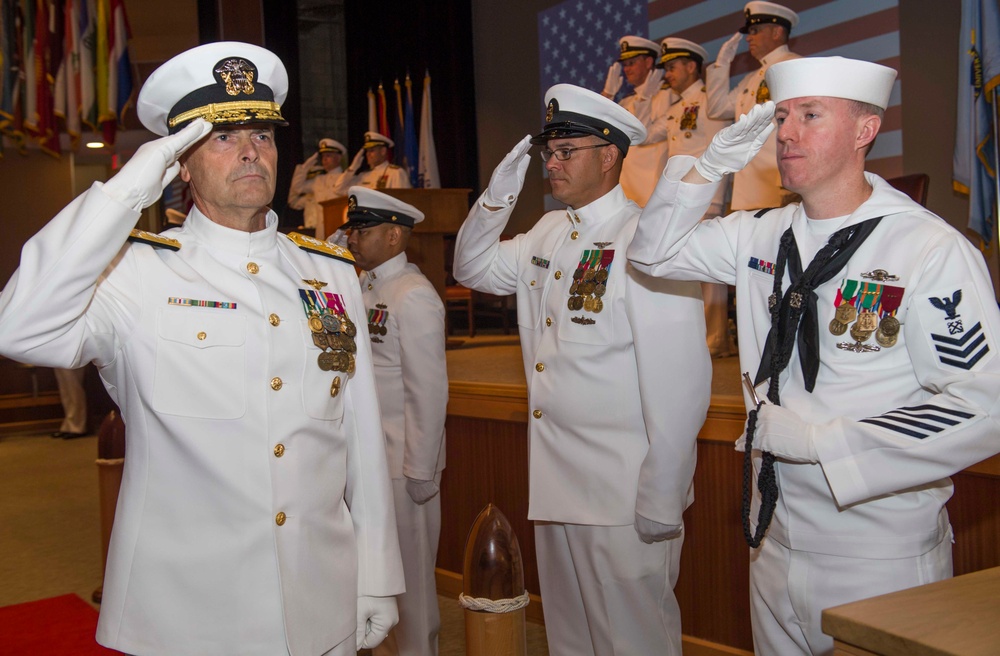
point(920, 421)
point(539, 261)
point(590, 283)
point(862, 309)
point(955, 330)
point(376, 324)
point(763, 266)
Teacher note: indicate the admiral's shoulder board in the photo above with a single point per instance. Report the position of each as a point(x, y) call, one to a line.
point(156, 241)
point(324, 248)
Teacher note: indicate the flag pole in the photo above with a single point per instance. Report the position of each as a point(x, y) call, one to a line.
point(996, 171)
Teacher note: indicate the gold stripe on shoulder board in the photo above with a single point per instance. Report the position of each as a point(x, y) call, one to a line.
point(325, 248)
point(156, 241)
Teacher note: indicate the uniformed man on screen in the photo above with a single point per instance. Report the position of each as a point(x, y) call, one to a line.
point(255, 513)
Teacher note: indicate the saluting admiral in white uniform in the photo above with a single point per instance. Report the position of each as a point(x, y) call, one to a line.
point(255, 513)
point(381, 173)
point(767, 28)
point(406, 329)
point(314, 181)
point(612, 431)
point(636, 64)
point(874, 324)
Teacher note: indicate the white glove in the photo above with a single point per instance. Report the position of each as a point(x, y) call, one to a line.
point(728, 50)
point(733, 147)
point(651, 86)
point(421, 491)
point(650, 531)
point(613, 83)
point(311, 162)
point(142, 180)
point(376, 616)
point(784, 434)
point(508, 177)
point(356, 162)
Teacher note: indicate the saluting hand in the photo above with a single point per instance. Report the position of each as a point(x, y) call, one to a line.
point(733, 147)
point(613, 83)
point(508, 177)
point(728, 50)
point(141, 182)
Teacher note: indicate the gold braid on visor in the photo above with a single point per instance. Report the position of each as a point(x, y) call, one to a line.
point(231, 112)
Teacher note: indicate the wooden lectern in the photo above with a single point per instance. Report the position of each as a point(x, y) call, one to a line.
point(444, 210)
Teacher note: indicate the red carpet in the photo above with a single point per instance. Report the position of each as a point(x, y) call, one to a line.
point(50, 627)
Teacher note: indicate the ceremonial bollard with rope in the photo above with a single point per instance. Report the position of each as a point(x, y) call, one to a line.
point(493, 594)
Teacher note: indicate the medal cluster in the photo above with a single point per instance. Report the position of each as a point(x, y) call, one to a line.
point(376, 322)
point(333, 333)
point(864, 309)
point(590, 281)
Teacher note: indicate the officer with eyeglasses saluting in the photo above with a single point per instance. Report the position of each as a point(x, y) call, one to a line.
point(612, 436)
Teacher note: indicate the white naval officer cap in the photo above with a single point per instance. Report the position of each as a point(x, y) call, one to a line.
point(374, 140)
point(367, 207)
point(673, 47)
point(225, 83)
point(768, 13)
point(833, 77)
point(633, 46)
point(331, 146)
point(573, 111)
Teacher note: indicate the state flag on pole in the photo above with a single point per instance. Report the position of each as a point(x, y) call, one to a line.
point(428, 171)
point(372, 114)
point(974, 165)
point(399, 134)
point(410, 128)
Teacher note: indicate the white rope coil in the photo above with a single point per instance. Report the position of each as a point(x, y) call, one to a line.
point(493, 605)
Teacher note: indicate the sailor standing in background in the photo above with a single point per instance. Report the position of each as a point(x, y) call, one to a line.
point(688, 131)
point(636, 64)
point(406, 329)
point(767, 29)
point(314, 181)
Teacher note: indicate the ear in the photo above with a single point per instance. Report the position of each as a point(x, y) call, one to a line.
point(868, 127)
point(184, 173)
point(609, 157)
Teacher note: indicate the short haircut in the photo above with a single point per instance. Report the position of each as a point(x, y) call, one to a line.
point(859, 109)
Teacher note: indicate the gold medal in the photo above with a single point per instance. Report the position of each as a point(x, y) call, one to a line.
point(858, 334)
point(838, 328)
point(315, 324)
point(867, 321)
point(382, 330)
point(347, 327)
point(598, 305)
point(886, 340)
point(889, 325)
point(348, 345)
point(350, 365)
point(601, 276)
point(588, 304)
point(574, 287)
point(600, 289)
point(846, 313)
point(326, 360)
point(319, 339)
point(571, 302)
point(589, 275)
point(335, 386)
point(588, 288)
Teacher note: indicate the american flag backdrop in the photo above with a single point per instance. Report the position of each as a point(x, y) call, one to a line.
point(577, 41)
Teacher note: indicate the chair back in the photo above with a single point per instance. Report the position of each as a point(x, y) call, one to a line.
point(913, 185)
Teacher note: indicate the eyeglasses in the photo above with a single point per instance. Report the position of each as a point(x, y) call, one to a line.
point(563, 154)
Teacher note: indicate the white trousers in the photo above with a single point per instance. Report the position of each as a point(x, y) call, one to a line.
point(73, 398)
point(605, 592)
point(419, 528)
point(789, 590)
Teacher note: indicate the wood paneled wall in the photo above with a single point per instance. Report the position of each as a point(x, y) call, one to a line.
point(488, 459)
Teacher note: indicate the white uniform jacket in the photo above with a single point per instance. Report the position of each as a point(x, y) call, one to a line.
point(383, 176)
point(891, 425)
point(307, 193)
point(759, 184)
point(255, 505)
point(618, 396)
point(686, 129)
point(642, 168)
point(406, 328)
